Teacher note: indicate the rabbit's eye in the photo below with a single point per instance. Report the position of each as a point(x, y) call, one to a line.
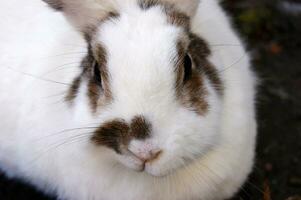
point(96, 73)
point(187, 67)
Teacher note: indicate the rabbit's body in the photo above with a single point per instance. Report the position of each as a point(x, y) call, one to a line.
point(41, 138)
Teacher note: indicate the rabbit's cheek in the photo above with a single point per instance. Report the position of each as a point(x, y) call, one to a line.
point(160, 167)
point(131, 162)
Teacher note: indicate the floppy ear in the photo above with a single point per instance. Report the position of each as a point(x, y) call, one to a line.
point(83, 14)
point(189, 7)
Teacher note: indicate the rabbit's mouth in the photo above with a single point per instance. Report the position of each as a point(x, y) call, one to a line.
point(133, 162)
point(131, 142)
point(136, 146)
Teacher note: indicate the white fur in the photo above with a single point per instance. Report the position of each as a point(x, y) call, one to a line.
point(38, 139)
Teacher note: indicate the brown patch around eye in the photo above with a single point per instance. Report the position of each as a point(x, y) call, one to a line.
point(93, 94)
point(98, 89)
point(101, 59)
point(179, 64)
point(199, 52)
point(198, 46)
point(192, 92)
point(73, 90)
point(89, 32)
point(99, 92)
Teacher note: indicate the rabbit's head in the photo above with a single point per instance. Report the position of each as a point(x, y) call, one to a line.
point(149, 79)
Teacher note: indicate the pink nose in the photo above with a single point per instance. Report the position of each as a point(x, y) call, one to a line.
point(148, 156)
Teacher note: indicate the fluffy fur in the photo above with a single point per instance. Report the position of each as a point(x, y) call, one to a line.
point(46, 140)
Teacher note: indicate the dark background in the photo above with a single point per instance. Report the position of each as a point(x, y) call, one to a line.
point(272, 31)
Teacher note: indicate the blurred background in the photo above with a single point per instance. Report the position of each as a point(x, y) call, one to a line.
point(272, 32)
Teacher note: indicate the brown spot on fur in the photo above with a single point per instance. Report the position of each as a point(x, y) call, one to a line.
point(199, 51)
point(96, 75)
point(73, 90)
point(93, 94)
point(192, 92)
point(198, 46)
point(117, 134)
point(99, 92)
point(89, 32)
point(140, 128)
point(55, 4)
point(113, 134)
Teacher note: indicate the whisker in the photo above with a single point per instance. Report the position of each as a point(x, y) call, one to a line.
point(247, 182)
point(213, 173)
point(70, 140)
point(37, 77)
point(63, 131)
point(75, 45)
point(232, 65)
point(61, 67)
point(60, 101)
point(226, 45)
point(255, 187)
point(55, 95)
point(64, 54)
point(204, 179)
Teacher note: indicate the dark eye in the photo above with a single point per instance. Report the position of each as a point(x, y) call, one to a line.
point(187, 67)
point(96, 73)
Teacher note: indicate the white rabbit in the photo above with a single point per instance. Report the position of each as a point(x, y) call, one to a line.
point(138, 99)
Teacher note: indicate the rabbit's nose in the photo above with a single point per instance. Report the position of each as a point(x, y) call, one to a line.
point(147, 155)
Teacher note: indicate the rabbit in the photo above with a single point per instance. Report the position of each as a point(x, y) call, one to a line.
point(125, 99)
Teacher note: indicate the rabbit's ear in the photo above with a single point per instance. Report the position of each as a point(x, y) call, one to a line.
point(55, 4)
point(83, 14)
point(189, 7)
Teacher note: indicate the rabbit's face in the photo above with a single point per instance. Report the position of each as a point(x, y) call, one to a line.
point(150, 82)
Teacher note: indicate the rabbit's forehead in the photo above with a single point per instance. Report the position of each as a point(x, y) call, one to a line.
point(144, 42)
point(138, 29)
point(134, 25)
point(141, 47)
